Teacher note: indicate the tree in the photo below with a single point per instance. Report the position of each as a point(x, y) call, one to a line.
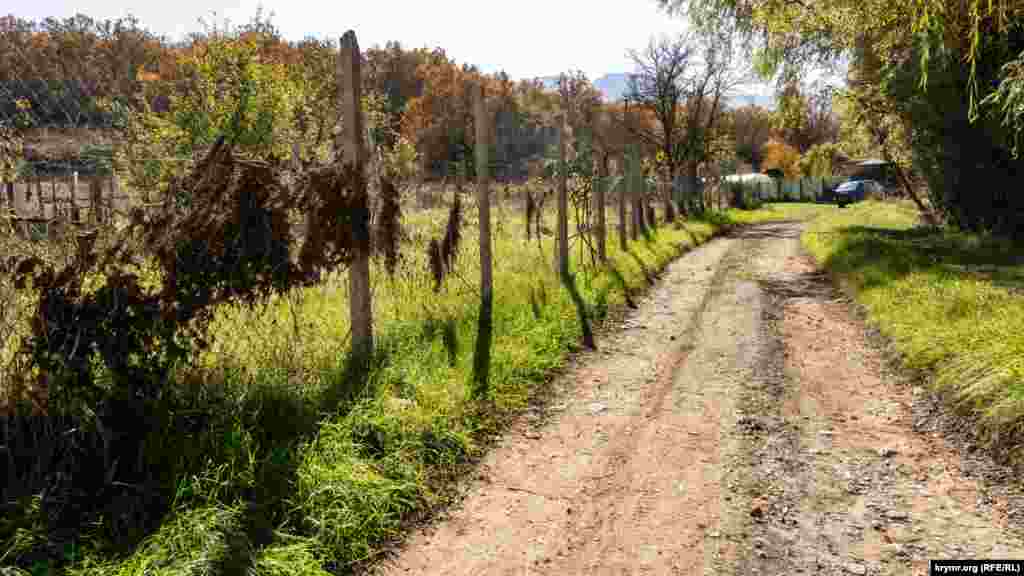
point(581, 106)
point(804, 117)
point(394, 73)
point(962, 28)
point(717, 77)
point(315, 111)
point(820, 161)
point(579, 99)
point(685, 82)
point(1007, 102)
point(660, 84)
point(751, 128)
point(222, 85)
point(10, 154)
point(781, 156)
point(69, 69)
point(230, 92)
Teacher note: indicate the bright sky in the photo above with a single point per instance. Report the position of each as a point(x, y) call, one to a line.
point(526, 38)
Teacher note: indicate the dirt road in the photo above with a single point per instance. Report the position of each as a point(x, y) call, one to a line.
point(742, 422)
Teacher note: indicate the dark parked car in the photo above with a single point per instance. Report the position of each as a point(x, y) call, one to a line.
point(855, 191)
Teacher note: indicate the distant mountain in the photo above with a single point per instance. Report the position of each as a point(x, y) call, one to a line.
point(550, 82)
point(762, 100)
point(613, 87)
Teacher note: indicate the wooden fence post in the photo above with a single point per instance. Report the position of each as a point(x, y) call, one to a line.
point(351, 136)
point(632, 183)
point(95, 199)
point(115, 193)
point(73, 214)
point(641, 193)
point(622, 187)
point(482, 355)
point(563, 203)
point(528, 208)
point(39, 197)
point(602, 185)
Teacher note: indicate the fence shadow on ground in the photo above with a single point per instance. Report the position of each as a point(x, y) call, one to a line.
point(482, 351)
point(581, 312)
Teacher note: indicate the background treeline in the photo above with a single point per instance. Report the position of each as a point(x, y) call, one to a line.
point(81, 72)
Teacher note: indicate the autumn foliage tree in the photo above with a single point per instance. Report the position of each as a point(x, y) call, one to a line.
point(751, 128)
point(66, 69)
point(781, 156)
point(821, 160)
point(804, 117)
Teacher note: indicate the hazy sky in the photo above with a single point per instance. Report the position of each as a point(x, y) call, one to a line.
point(526, 38)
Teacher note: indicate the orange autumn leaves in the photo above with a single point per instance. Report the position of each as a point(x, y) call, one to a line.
point(781, 156)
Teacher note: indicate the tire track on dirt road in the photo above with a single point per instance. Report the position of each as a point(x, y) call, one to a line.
point(544, 504)
point(738, 424)
point(845, 485)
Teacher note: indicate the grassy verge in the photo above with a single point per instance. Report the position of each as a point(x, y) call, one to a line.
point(273, 458)
point(779, 211)
point(951, 303)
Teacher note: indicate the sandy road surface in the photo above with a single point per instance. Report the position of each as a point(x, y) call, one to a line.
point(739, 423)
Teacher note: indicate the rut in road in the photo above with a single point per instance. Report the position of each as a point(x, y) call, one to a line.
point(738, 423)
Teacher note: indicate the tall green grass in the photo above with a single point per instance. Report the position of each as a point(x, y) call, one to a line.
point(281, 460)
point(951, 303)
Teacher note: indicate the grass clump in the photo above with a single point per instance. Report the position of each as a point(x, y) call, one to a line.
point(290, 556)
point(204, 540)
point(952, 304)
